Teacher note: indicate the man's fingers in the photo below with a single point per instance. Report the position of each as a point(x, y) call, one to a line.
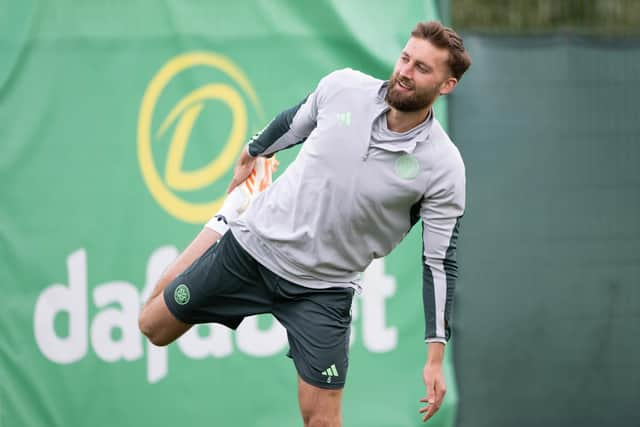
point(439, 389)
point(241, 174)
point(428, 411)
point(430, 400)
point(436, 388)
point(245, 165)
point(431, 392)
point(232, 186)
point(234, 183)
point(435, 396)
point(424, 409)
point(440, 392)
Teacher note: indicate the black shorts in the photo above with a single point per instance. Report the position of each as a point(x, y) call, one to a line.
point(226, 284)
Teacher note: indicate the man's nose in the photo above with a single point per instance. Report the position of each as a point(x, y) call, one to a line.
point(406, 71)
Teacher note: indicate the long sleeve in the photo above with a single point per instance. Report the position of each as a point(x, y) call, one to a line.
point(290, 127)
point(441, 213)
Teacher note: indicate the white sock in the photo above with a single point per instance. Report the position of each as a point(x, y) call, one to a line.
point(234, 205)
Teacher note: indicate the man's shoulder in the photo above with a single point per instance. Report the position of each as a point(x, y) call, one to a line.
point(449, 154)
point(350, 78)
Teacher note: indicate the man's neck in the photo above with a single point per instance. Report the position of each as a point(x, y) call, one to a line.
point(402, 121)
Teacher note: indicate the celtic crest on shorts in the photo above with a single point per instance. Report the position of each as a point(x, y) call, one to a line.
point(182, 294)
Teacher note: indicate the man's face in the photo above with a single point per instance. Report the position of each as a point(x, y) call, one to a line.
point(420, 75)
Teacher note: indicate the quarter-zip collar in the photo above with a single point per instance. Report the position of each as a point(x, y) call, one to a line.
point(408, 146)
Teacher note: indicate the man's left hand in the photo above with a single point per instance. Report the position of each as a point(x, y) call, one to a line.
point(436, 389)
point(244, 167)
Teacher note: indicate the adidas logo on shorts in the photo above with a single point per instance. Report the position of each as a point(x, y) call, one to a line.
point(330, 373)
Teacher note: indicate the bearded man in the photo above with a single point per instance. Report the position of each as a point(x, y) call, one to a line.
point(374, 161)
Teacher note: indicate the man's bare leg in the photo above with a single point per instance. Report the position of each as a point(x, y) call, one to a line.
point(156, 321)
point(196, 248)
point(319, 407)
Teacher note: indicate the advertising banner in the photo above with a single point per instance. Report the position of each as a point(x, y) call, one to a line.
point(120, 124)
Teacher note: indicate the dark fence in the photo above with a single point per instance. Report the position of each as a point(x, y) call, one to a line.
point(548, 308)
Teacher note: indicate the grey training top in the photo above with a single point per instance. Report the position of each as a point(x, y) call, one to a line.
point(354, 192)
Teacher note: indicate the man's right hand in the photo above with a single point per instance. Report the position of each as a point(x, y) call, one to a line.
point(244, 167)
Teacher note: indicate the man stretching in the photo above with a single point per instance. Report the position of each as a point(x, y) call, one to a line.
point(374, 161)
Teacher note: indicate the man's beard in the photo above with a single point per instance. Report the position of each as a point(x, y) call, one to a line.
point(416, 100)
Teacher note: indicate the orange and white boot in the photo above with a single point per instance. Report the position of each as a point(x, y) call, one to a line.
point(239, 200)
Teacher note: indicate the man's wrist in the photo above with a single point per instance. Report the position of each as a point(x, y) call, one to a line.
point(435, 353)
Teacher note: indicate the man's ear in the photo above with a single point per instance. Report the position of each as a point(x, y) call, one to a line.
point(448, 85)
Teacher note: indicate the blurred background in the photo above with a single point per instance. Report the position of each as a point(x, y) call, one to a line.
point(548, 310)
point(120, 122)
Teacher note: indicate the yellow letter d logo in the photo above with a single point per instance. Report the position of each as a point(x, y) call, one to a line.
point(170, 189)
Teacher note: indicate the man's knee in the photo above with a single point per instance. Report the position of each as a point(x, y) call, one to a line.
point(150, 329)
point(319, 407)
point(158, 324)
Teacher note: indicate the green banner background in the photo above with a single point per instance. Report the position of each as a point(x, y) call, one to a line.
point(83, 236)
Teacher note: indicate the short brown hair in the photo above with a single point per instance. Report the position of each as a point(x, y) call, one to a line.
point(445, 38)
